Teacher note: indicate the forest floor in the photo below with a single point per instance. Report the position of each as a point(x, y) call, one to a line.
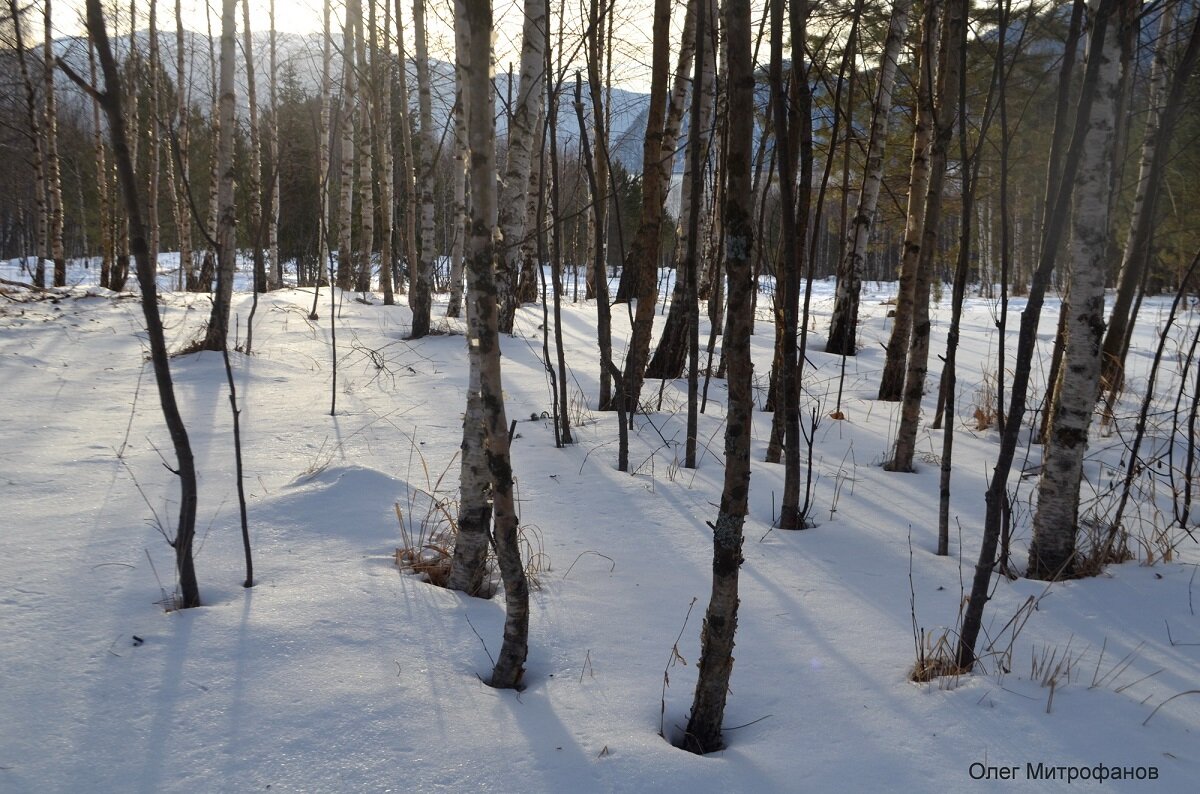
point(337, 672)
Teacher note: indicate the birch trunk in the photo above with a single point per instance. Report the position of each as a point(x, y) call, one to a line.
point(1058, 191)
point(843, 332)
point(254, 178)
point(345, 268)
point(323, 151)
point(53, 167)
point(1164, 113)
point(647, 268)
point(792, 514)
point(366, 167)
point(406, 161)
point(183, 218)
point(153, 139)
point(720, 620)
point(600, 197)
point(891, 384)
point(382, 73)
point(1055, 522)
point(422, 279)
point(467, 569)
point(459, 174)
point(218, 324)
point(918, 351)
point(668, 358)
point(37, 144)
point(528, 108)
point(643, 253)
point(106, 231)
point(207, 266)
point(132, 72)
point(510, 663)
point(274, 266)
point(527, 281)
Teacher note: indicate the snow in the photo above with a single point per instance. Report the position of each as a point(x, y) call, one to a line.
point(338, 673)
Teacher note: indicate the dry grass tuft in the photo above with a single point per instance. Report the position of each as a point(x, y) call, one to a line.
point(936, 660)
point(427, 532)
point(194, 345)
point(984, 415)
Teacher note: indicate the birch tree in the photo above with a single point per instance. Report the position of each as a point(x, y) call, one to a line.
point(657, 181)
point(1055, 522)
point(183, 128)
point(459, 174)
point(467, 569)
point(226, 214)
point(365, 136)
point(843, 332)
point(1060, 188)
point(323, 150)
point(254, 178)
point(420, 297)
point(673, 345)
point(407, 167)
point(720, 620)
point(208, 264)
point(527, 109)
point(1166, 106)
point(153, 139)
point(347, 121)
point(54, 209)
point(891, 383)
point(36, 146)
point(510, 663)
point(600, 196)
point(642, 259)
point(381, 71)
point(918, 350)
point(101, 162)
point(274, 266)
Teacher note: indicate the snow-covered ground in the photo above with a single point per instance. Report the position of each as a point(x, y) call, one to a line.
point(337, 673)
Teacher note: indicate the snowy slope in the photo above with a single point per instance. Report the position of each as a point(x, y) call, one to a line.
point(337, 673)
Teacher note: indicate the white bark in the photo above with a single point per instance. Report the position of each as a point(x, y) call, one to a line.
point(1056, 520)
point(461, 152)
point(917, 362)
point(274, 266)
point(844, 325)
point(323, 150)
point(381, 70)
point(183, 218)
point(218, 325)
point(345, 267)
point(153, 140)
point(510, 662)
point(39, 188)
point(474, 510)
point(53, 168)
point(1135, 254)
point(106, 236)
point(892, 381)
point(426, 145)
point(366, 165)
point(522, 130)
point(254, 178)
